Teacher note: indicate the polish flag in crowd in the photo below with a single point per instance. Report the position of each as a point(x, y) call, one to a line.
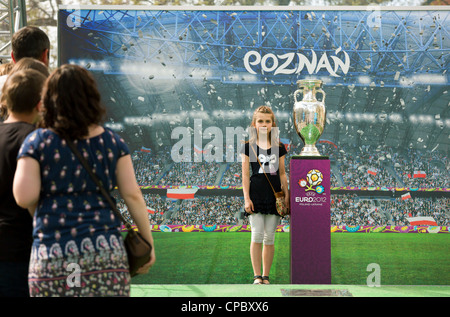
point(406, 196)
point(181, 193)
point(419, 174)
point(152, 211)
point(416, 221)
point(372, 171)
point(146, 149)
point(198, 149)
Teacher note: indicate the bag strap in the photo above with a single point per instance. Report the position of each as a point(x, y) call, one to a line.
point(262, 169)
point(97, 181)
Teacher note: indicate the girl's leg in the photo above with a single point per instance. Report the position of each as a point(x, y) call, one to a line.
point(257, 225)
point(268, 252)
point(270, 227)
point(256, 256)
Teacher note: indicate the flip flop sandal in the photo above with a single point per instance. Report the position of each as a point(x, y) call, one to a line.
point(256, 278)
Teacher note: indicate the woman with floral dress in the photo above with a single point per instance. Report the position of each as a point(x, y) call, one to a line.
point(77, 245)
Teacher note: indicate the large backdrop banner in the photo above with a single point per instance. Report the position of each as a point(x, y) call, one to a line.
point(180, 85)
point(163, 70)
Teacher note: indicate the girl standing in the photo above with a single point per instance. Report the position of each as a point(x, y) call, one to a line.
point(263, 153)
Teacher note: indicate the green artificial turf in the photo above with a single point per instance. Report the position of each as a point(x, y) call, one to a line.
point(404, 259)
point(223, 258)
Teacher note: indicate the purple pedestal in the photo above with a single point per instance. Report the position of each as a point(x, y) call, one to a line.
point(310, 220)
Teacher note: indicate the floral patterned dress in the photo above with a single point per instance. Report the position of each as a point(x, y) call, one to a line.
point(77, 246)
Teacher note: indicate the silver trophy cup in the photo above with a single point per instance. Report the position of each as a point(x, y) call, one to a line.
point(309, 114)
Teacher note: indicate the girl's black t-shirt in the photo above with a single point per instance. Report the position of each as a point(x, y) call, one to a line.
point(261, 193)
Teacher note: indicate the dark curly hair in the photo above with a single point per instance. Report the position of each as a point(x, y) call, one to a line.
point(71, 102)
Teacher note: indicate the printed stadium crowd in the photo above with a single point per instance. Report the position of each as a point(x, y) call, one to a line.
point(364, 166)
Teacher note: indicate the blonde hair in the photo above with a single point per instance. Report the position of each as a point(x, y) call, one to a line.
point(264, 110)
point(31, 63)
point(5, 68)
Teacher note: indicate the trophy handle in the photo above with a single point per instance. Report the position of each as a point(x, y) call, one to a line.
point(296, 92)
point(321, 92)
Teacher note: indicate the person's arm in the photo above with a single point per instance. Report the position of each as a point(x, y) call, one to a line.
point(27, 183)
point(283, 180)
point(248, 204)
point(131, 193)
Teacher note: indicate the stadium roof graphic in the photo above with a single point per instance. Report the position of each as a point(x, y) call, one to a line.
point(385, 72)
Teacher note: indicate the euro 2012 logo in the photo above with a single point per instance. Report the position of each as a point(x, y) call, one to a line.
point(313, 179)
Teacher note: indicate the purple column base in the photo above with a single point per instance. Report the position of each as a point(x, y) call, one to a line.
point(310, 221)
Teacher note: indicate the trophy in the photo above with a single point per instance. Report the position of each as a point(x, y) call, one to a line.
point(309, 115)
